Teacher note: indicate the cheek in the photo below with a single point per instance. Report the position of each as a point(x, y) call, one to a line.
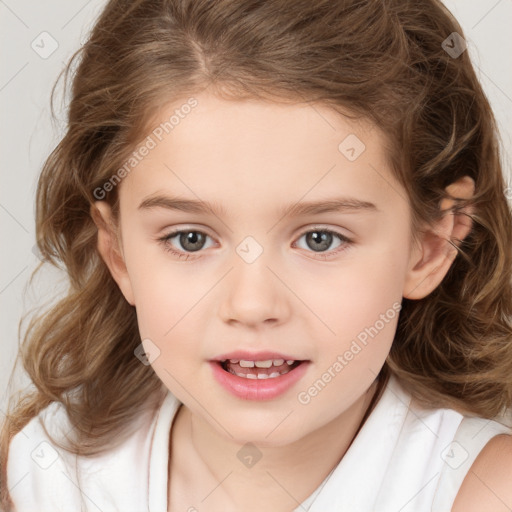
point(166, 303)
point(160, 296)
point(361, 306)
point(354, 295)
point(362, 309)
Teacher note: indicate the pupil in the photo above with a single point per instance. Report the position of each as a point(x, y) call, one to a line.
point(321, 239)
point(189, 240)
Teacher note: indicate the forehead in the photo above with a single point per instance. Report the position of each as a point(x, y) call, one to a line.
point(246, 151)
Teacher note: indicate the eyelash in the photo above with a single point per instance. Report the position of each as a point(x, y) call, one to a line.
point(346, 242)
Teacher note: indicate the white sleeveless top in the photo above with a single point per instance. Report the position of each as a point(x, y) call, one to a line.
point(404, 458)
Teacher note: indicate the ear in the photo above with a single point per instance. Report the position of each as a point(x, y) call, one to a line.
point(110, 247)
point(433, 255)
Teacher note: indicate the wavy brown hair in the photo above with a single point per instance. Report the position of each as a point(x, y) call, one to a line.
point(381, 60)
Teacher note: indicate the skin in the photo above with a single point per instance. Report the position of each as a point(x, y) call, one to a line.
point(255, 158)
point(487, 483)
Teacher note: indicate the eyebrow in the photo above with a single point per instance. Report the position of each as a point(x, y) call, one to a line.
point(337, 204)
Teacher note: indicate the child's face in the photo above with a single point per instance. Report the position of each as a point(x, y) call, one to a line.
point(258, 282)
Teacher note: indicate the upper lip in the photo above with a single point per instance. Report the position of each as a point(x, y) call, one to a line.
point(255, 356)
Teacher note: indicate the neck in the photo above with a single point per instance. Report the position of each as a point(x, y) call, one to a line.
point(283, 477)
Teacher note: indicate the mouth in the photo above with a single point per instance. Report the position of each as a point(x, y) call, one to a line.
point(264, 369)
point(258, 376)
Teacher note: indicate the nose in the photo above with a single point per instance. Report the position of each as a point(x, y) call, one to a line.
point(253, 295)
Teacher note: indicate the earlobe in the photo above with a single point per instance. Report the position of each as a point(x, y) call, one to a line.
point(109, 248)
point(433, 255)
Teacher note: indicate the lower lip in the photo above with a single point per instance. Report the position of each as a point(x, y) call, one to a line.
point(257, 389)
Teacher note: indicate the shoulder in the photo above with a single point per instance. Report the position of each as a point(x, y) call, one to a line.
point(52, 421)
point(487, 485)
point(37, 470)
point(45, 477)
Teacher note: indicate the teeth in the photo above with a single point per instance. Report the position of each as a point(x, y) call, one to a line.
point(261, 364)
point(259, 376)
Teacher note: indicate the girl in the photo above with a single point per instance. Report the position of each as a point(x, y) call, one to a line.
point(290, 254)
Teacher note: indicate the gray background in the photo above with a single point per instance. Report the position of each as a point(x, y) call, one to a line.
point(27, 133)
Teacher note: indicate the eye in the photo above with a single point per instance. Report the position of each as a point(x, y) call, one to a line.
point(320, 239)
point(190, 240)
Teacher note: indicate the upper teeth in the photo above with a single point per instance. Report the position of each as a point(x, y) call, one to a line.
point(260, 364)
